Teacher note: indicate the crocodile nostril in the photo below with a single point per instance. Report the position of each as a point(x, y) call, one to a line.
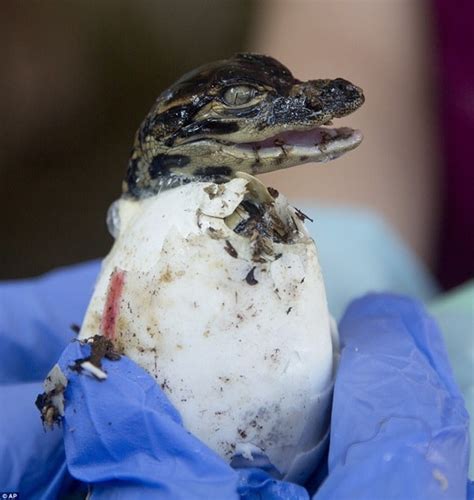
point(342, 89)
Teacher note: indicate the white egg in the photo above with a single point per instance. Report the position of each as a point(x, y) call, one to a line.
point(228, 313)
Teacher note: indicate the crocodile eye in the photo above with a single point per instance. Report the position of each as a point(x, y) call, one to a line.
point(238, 95)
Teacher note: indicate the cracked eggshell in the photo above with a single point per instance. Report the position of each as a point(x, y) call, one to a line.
point(246, 364)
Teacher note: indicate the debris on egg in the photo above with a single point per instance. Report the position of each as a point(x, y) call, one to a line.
point(51, 402)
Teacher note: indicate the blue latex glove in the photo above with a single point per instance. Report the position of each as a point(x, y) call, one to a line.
point(399, 427)
point(36, 317)
point(35, 320)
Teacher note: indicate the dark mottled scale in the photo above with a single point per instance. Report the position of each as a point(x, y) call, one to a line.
point(242, 68)
point(144, 130)
point(216, 171)
point(174, 118)
point(267, 70)
point(208, 127)
point(286, 109)
point(249, 112)
point(161, 164)
point(338, 95)
point(131, 178)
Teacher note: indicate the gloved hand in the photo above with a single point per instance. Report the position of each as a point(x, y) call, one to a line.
point(399, 428)
point(35, 320)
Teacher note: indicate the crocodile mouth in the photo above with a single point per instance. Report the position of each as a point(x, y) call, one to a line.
point(316, 144)
point(283, 149)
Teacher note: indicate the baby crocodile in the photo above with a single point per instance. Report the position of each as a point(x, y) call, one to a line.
point(246, 113)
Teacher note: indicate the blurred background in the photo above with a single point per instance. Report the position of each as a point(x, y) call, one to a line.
point(77, 78)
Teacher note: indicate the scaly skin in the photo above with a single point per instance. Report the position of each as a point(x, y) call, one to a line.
point(247, 113)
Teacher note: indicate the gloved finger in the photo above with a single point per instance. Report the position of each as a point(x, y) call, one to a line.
point(32, 460)
point(255, 484)
point(124, 435)
point(399, 426)
point(35, 319)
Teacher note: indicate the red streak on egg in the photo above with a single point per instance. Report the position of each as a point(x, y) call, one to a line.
point(112, 304)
